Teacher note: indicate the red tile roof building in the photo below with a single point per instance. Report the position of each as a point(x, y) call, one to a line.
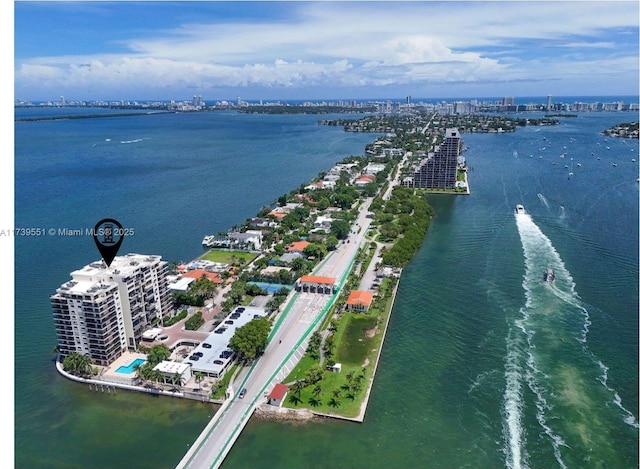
point(359, 300)
point(316, 284)
point(198, 273)
point(277, 395)
point(298, 246)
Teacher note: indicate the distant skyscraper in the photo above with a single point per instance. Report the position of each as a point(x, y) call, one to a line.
point(103, 311)
point(508, 101)
point(549, 103)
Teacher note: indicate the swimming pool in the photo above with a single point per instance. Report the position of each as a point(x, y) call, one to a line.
point(271, 287)
point(130, 368)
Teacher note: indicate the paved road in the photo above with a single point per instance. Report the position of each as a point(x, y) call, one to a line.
point(287, 345)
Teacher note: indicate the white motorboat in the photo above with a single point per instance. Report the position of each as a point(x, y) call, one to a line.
point(549, 276)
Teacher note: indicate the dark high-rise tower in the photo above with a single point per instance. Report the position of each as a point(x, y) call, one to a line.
point(439, 170)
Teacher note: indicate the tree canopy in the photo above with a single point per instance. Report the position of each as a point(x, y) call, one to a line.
point(77, 364)
point(340, 228)
point(250, 340)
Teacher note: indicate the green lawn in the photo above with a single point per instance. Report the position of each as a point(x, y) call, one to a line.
point(356, 342)
point(354, 345)
point(228, 257)
point(345, 402)
point(298, 372)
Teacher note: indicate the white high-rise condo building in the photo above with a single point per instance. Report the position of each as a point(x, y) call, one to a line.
point(103, 311)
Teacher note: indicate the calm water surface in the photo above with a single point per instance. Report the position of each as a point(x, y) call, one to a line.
point(484, 365)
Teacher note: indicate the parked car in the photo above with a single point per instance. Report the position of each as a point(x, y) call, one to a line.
point(228, 321)
point(199, 354)
point(195, 358)
point(242, 393)
point(206, 345)
point(220, 330)
point(240, 309)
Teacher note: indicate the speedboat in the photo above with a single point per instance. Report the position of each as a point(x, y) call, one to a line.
point(549, 276)
point(208, 241)
point(520, 209)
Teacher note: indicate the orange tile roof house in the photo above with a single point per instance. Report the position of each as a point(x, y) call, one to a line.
point(198, 273)
point(359, 300)
point(298, 246)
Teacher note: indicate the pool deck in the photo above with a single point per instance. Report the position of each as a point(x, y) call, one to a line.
point(109, 373)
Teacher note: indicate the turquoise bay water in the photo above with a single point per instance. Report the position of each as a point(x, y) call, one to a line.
point(484, 364)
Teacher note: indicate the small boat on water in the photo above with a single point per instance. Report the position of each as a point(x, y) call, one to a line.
point(549, 276)
point(208, 241)
point(520, 209)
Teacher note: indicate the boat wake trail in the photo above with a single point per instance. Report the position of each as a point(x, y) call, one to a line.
point(544, 200)
point(550, 374)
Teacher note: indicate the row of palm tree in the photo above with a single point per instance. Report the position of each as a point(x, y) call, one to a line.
point(78, 364)
point(351, 388)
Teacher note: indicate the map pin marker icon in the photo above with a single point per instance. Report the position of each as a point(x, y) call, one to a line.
point(108, 235)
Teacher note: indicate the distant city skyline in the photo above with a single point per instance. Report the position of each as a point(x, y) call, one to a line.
point(323, 50)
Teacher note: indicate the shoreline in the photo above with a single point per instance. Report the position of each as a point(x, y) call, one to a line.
point(183, 392)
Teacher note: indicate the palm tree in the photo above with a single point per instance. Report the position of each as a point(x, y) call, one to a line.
point(314, 401)
point(336, 393)
point(140, 371)
point(298, 386)
point(199, 376)
point(333, 402)
point(155, 375)
point(77, 364)
point(317, 390)
point(176, 379)
point(158, 353)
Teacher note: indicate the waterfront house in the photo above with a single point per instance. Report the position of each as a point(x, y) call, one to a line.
point(250, 240)
point(359, 301)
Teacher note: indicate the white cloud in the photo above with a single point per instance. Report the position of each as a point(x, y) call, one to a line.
point(335, 44)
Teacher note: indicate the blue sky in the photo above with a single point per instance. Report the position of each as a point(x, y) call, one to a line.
point(323, 50)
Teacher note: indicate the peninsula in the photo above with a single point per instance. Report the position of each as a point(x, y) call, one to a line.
point(288, 310)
